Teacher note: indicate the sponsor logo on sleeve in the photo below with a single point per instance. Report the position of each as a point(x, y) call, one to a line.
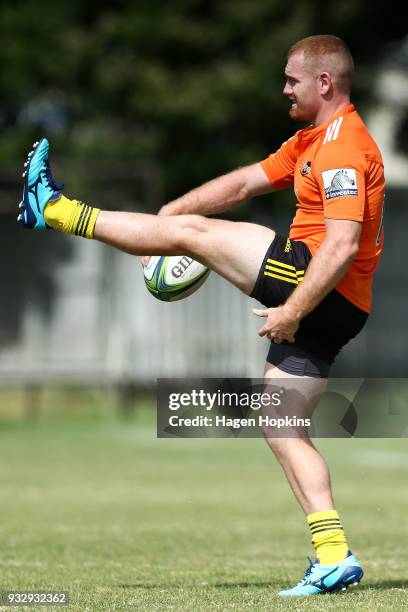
point(339, 182)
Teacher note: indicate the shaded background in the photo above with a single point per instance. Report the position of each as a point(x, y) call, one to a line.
point(141, 102)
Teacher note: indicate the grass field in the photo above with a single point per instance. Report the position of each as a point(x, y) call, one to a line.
point(100, 508)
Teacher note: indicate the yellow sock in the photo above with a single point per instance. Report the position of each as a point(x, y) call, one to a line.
point(328, 537)
point(71, 217)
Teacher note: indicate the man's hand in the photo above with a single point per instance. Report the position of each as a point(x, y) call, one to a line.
point(281, 324)
point(219, 195)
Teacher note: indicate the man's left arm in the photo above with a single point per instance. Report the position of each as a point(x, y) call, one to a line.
point(324, 272)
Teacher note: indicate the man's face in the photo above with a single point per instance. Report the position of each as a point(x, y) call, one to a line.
point(301, 88)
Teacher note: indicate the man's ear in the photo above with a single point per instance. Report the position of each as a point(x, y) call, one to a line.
point(325, 82)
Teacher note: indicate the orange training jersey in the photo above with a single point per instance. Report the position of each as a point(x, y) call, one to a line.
point(337, 173)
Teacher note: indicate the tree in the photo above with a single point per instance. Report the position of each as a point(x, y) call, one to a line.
point(193, 86)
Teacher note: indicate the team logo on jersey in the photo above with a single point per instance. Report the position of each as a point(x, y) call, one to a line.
point(339, 182)
point(306, 168)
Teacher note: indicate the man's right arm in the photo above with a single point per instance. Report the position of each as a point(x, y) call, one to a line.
point(222, 193)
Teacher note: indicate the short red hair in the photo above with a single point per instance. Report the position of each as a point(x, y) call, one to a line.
point(327, 53)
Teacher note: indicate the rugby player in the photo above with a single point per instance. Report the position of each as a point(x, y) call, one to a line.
point(315, 284)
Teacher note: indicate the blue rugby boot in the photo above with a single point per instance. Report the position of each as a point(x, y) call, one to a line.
point(320, 579)
point(39, 187)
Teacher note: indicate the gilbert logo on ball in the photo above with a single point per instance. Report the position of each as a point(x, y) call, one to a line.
point(172, 278)
point(181, 266)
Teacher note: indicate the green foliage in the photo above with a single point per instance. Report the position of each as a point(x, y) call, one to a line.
point(193, 85)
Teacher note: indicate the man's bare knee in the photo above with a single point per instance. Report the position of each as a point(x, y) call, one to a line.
point(187, 240)
point(193, 222)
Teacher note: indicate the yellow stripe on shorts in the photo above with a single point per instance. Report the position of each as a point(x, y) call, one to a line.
point(287, 273)
point(280, 264)
point(288, 280)
point(282, 271)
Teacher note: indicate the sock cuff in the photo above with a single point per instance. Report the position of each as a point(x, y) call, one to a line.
point(324, 515)
point(328, 537)
point(92, 221)
point(85, 220)
point(320, 522)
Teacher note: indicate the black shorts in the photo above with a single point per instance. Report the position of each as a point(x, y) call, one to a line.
point(323, 332)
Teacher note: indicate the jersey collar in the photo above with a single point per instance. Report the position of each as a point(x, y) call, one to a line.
point(311, 133)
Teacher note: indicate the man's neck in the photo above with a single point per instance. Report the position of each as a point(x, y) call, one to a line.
point(328, 110)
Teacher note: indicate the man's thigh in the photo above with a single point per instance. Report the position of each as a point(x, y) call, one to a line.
point(235, 250)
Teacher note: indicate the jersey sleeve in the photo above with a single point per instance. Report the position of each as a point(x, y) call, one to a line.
point(340, 173)
point(280, 166)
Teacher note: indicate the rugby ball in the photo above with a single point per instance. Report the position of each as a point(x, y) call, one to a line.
point(172, 278)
